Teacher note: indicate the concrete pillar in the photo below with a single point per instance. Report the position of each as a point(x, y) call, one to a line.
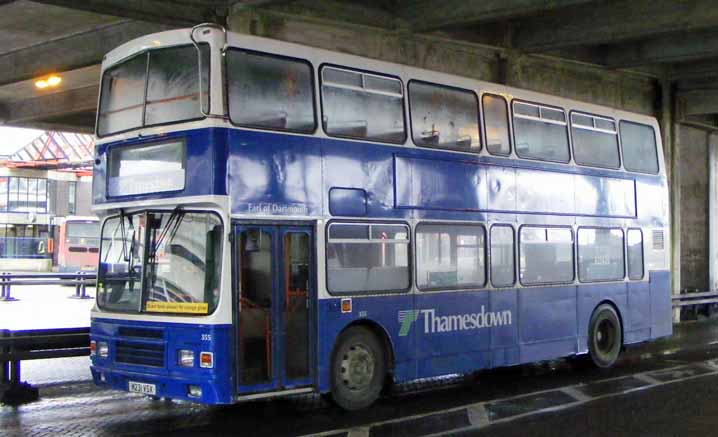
point(712, 215)
point(671, 148)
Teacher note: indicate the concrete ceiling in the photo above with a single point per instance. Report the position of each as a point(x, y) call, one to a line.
point(671, 40)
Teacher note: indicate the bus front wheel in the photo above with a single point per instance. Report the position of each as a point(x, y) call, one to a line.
point(358, 369)
point(605, 336)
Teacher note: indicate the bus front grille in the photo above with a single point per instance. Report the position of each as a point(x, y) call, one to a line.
point(142, 354)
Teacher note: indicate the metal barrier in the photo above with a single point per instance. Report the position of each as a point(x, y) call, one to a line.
point(17, 346)
point(695, 298)
point(81, 280)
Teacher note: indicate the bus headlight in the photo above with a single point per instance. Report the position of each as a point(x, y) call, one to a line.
point(103, 350)
point(93, 348)
point(186, 358)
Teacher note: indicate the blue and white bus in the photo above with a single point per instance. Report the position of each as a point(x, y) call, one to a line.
point(279, 219)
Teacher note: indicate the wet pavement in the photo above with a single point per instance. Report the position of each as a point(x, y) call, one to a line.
point(668, 387)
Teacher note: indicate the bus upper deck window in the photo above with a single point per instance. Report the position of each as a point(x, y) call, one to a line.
point(362, 105)
point(270, 92)
point(595, 141)
point(443, 117)
point(540, 132)
point(161, 85)
point(496, 123)
point(638, 142)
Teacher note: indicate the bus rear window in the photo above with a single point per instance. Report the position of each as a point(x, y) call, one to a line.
point(156, 87)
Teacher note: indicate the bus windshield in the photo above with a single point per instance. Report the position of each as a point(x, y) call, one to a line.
point(160, 262)
point(155, 87)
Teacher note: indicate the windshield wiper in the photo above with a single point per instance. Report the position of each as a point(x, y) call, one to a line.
point(170, 227)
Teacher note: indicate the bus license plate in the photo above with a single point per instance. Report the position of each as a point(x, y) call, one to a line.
point(140, 387)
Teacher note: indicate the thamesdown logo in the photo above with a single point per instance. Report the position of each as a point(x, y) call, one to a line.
point(455, 322)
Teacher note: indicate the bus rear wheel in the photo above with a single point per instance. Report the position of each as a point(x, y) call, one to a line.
point(358, 369)
point(605, 336)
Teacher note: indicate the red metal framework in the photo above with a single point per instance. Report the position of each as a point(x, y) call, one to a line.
point(55, 151)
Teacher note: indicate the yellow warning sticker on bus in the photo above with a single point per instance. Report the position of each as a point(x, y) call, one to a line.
point(178, 307)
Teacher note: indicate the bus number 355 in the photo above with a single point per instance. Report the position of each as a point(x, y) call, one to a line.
point(206, 337)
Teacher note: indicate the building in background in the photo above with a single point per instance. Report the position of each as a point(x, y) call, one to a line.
point(41, 185)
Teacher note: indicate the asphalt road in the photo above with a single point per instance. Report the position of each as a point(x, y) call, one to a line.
point(668, 387)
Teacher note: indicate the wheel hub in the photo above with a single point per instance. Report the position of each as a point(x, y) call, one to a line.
point(357, 367)
point(604, 336)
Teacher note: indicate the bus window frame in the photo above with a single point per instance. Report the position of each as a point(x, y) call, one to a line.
point(312, 74)
point(410, 258)
point(451, 88)
point(540, 120)
point(481, 287)
point(573, 254)
point(146, 52)
point(573, 142)
point(509, 126)
point(154, 142)
point(373, 73)
point(624, 249)
point(514, 254)
point(655, 146)
point(139, 311)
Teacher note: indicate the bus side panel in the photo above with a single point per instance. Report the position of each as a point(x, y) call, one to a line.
point(505, 337)
point(547, 322)
point(383, 311)
point(453, 331)
point(661, 307)
point(590, 296)
point(637, 323)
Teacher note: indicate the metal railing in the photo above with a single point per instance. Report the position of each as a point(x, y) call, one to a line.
point(695, 298)
point(18, 346)
point(81, 280)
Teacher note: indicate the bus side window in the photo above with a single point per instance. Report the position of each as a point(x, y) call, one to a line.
point(362, 105)
point(365, 258)
point(540, 132)
point(502, 256)
point(496, 124)
point(546, 255)
point(270, 92)
point(450, 256)
point(600, 255)
point(635, 254)
point(595, 140)
point(639, 147)
point(444, 117)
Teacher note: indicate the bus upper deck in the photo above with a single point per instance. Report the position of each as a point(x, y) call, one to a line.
point(276, 214)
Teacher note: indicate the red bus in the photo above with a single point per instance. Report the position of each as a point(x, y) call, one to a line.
point(78, 244)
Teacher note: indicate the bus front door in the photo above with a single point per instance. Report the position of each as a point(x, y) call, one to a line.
point(275, 279)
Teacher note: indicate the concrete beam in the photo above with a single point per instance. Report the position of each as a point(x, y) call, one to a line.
point(664, 49)
point(71, 52)
point(698, 102)
point(612, 22)
point(55, 105)
point(426, 15)
point(185, 13)
point(693, 70)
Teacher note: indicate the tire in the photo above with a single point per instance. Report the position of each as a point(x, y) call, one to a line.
point(605, 336)
point(358, 369)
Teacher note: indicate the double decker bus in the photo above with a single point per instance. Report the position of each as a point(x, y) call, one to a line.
point(279, 219)
point(78, 244)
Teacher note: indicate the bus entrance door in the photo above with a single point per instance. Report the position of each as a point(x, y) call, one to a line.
point(275, 284)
